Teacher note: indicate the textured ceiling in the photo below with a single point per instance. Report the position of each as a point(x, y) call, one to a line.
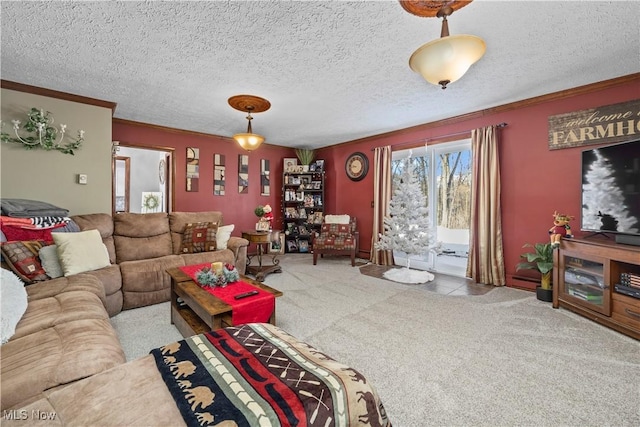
point(333, 71)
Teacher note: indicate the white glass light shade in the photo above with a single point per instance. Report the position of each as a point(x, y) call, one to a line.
point(446, 59)
point(248, 141)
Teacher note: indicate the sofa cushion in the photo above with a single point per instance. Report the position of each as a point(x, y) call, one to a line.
point(53, 287)
point(50, 262)
point(22, 258)
point(146, 282)
point(199, 237)
point(223, 235)
point(93, 401)
point(178, 221)
point(64, 307)
point(13, 303)
point(104, 224)
point(111, 280)
point(336, 230)
point(58, 355)
point(337, 219)
point(141, 236)
point(80, 252)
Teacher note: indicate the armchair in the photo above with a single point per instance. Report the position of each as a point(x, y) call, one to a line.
point(338, 236)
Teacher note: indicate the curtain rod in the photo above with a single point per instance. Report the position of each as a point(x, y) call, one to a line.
point(426, 140)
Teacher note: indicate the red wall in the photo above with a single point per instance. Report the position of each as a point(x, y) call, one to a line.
point(536, 181)
point(236, 208)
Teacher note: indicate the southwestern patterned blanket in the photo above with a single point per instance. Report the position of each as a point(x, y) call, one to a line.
point(259, 375)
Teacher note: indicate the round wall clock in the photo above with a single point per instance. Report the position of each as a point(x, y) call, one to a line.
point(357, 166)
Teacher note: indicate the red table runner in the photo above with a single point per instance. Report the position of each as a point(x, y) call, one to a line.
point(256, 308)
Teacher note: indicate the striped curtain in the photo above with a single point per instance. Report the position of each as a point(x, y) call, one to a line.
point(381, 199)
point(486, 257)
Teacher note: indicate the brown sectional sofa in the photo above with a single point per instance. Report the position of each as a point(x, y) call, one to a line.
point(142, 246)
point(65, 334)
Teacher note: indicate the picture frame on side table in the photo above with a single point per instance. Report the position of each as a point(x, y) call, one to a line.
point(276, 246)
point(262, 226)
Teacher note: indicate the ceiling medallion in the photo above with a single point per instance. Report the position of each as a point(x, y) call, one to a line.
point(249, 104)
point(430, 8)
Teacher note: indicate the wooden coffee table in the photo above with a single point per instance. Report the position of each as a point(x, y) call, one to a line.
point(199, 311)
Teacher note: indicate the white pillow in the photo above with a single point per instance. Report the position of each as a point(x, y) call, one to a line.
point(223, 234)
point(13, 303)
point(337, 219)
point(50, 263)
point(80, 252)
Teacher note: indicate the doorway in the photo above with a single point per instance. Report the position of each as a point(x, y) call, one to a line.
point(444, 171)
point(143, 179)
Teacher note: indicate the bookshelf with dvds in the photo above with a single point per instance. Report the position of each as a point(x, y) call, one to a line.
point(600, 280)
point(302, 209)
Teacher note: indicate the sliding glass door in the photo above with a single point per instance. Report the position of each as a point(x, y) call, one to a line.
point(444, 172)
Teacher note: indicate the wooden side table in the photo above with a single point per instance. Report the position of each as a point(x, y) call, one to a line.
point(261, 239)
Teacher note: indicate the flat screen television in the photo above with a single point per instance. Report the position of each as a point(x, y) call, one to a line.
point(611, 189)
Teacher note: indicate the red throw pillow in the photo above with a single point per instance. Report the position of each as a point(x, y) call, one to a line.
point(16, 233)
point(199, 237)
point(22, 258)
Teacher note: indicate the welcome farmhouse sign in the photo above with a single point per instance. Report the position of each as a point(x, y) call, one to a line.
point(611, 123)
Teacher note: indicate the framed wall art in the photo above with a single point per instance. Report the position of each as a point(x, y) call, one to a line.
point(265, 188)
point(243, 173)
point(218, 175)
point(193, 168)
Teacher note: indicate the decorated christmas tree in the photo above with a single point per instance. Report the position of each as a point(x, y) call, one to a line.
point(408, 228)
point(601, 189)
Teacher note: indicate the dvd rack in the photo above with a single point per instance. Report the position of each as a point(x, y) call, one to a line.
point(629, 285)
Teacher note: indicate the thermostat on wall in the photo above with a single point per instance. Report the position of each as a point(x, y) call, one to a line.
point(82, 178)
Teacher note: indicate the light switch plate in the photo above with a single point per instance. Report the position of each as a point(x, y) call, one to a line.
point(82, 178)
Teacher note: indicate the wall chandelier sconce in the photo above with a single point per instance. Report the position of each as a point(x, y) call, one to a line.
point(447, 59)
point(250, 104)
point(44, 134)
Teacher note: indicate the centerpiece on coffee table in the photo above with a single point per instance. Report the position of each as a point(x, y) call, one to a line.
point(218, 274)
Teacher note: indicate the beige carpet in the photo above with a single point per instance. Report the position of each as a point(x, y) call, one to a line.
point(500, 359)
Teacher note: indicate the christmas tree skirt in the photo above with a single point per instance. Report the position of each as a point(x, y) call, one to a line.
point(408, 275)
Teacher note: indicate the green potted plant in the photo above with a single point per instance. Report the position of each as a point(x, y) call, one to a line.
point(305, 156)
point(540, 260)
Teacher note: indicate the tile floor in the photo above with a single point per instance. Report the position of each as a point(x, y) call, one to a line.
point(442, 284)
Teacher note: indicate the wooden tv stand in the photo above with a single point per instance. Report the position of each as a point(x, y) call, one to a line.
point(585, 274)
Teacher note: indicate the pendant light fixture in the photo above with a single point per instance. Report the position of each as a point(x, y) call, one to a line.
point(249, 104)
point(447, 59)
